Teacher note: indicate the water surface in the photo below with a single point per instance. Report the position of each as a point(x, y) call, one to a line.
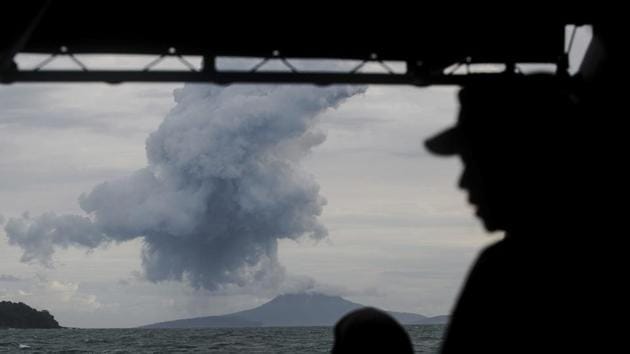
point(426, 339)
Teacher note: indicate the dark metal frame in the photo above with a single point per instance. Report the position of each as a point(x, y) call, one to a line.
point(417, 72)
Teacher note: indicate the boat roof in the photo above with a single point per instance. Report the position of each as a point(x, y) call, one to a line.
point(185, 28)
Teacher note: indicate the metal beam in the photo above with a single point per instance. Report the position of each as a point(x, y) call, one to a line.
point(229, 77)
point(225, 77)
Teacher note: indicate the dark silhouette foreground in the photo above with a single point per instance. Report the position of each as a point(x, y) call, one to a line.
point(515, 144)
point(537, 163)
point(543, 164)
point(369, 330)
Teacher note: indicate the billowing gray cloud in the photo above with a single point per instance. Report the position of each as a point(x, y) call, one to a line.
point(222, 185)
point(39, 236)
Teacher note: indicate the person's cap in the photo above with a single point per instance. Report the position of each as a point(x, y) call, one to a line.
point(449, 142)
point(445, 143)
point(504, 118)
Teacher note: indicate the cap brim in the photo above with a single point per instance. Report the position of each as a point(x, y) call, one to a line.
point(444, 144)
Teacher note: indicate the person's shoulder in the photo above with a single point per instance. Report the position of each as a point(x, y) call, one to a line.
point(496, 248)
point(509, 252)
point(498, 252)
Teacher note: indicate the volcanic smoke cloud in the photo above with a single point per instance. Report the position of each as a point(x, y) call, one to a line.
point(222, 185)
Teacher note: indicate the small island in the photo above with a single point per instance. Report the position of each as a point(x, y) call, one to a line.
point(20, 315)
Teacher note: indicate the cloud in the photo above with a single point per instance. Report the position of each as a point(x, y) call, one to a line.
point(52, 294)
point(101, 110)
point(39, 236)
point(222, 185)
point(43, 111)
point(68, 292)
point(9, 278)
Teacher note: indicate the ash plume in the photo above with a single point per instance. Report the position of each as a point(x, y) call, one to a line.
point(222, 185)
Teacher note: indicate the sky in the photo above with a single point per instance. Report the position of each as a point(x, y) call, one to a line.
point(400, 235)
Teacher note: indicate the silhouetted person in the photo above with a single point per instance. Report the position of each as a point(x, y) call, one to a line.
point(369, 330)
point(524, 151)
point(542, 163)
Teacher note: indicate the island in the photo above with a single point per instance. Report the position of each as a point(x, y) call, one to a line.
point(20, 315)
point(292, 310)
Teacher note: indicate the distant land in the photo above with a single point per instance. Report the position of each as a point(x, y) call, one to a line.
point(20, 315)
point(292, 310)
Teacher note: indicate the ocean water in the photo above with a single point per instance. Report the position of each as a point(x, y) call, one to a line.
point(426, 339)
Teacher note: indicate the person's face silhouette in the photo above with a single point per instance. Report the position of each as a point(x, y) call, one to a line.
point(513, 144)
point(482, 194)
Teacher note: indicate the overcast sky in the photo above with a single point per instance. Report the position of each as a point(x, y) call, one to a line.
point(400, 235)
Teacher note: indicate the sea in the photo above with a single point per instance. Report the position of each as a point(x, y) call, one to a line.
point(426, 339)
